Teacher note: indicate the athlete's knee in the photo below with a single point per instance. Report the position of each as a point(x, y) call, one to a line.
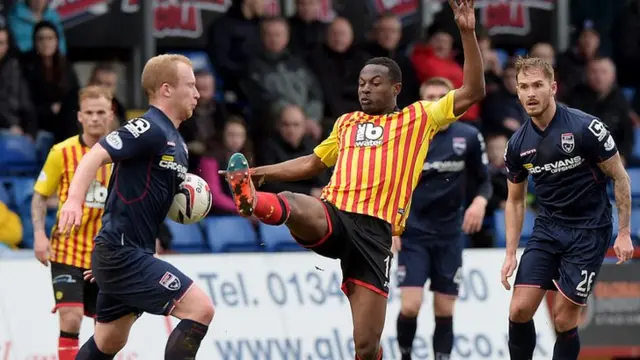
point(71, 318)
point(367, 347)
point(196, 306)
point(443, 304)
point(521, 310)
point(109, 341)
point(411, 302)
point(566, 315)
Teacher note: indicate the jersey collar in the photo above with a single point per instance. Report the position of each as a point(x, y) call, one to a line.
point(154, 111)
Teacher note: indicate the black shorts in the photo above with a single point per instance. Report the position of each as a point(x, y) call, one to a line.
point(70, 289)
point(133, 281)
point(363, 245)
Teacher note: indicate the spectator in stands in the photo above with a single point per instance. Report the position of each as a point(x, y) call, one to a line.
point(277, 78)
point(50, 77)
point(234, 38)
point(501, 110)
point(289, 143)
point(626, 41)
point(233, 139)
point(209, 116)
point(492, 64)
point(17, 114)
point(387, 32)
point(572, 64)
point(104, 75)
point(337, 66)
point(435, 58)
point(24, 16)
point(496, 144)
point(307, 31)
point(602, 98)
point(545, 52)
point(11, 229)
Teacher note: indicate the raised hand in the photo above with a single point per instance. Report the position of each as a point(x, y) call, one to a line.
point(463, 12)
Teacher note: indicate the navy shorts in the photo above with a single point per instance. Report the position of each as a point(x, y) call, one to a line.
point(423, 258)
point(133, 281)
point(564, 259)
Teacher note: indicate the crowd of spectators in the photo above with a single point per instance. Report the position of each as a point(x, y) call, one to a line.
point(279, 84)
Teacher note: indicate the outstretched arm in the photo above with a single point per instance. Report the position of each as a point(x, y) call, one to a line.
point(473, 87)
point(304, 167)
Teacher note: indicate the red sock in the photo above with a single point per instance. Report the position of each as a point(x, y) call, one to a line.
point(379, 357)
point(271, 209)
point(68, 347)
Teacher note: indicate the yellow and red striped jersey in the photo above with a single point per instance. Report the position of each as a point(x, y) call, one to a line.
point(58, 170)
point(378, 158)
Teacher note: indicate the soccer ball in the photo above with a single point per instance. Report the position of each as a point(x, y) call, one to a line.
point(192, 202)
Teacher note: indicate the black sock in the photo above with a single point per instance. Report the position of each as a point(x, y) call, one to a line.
point(184, 341)
point(406, 332)
point(522, 340)
point(90, 351)
point(443, 337)
point(567, 345)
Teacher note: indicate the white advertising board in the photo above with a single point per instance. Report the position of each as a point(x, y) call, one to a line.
point(271, 306)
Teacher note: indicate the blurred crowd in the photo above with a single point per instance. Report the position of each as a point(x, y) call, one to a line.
point(278, 84)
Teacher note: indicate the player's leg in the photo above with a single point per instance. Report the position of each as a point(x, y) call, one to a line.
point(538, 267)
point(114, 322)
point(366, 263)
point(68, 291)
point(413, 272)
point(195, 311)
point(579, 268)
point(304, 215)
point(446, 267)
point(368, 311)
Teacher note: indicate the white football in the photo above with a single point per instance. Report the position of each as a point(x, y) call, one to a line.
point(192, 202)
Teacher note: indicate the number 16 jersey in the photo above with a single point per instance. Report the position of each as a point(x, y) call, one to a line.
point(56, 175)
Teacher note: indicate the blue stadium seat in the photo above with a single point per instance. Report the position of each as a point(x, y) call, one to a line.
point(22, 189)
point(503, 56)
point(186, 238)
point(629, 93)
point(635, 223)
point(4, 195)
point(230, 234)
point(50, 220)
point(501, 231)
point(278, 238)
point(634, 175)
point(19, 155)
point(636, 143)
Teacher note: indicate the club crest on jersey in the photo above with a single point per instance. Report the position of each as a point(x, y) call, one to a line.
point(567, 142)
point(170, 282)
point(459, 145)
point(368, 134)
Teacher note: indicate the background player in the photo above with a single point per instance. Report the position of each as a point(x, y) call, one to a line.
point(70, 256)
point(377, 153)
point(432, 244)
point(569, 155)
point(150, 163)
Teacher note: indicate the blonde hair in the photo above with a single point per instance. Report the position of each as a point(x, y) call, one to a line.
point(160, 70)
point(438, 81)
point(94, 92)
point(527, 64)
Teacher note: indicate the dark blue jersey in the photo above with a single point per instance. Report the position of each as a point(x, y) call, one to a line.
point(150, 161)
point(456, 158)
point(562, 161)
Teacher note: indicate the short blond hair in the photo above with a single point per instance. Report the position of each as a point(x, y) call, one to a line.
point(526, 64)
point(161, 69)
point(438, 81)
point(94, 92)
